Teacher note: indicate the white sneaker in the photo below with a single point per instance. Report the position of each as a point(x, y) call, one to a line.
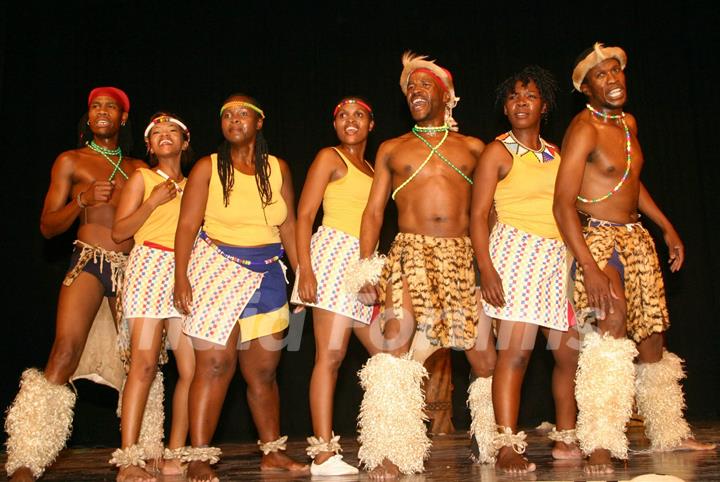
point(333, 466)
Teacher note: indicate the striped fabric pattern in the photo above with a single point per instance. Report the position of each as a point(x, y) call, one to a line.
point(221, 289)
point(534, 275)
point(331, 252)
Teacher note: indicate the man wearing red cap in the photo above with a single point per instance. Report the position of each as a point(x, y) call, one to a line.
point(427, 282)
point(619, 283)
point(85, 183)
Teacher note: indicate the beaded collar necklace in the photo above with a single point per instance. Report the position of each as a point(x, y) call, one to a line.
point(106, 153)
point(628, 152)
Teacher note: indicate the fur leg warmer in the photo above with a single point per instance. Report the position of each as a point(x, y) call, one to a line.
point(152, 429)
point(482, 426)
point(660, 401)
point(391, 420)
point(604, 388)
point(38, 423)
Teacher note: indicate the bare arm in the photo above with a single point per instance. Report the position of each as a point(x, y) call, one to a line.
point(132, 211)
point(647, 206)
point(492, 162)
point(287, 228)
point(192, 212)
point(578, 144)
point(318, 176)
point(374, 212)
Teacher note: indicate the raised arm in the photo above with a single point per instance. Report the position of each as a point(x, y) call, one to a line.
point(318, 176)
point(192, 213)
point(287, 228)
point(374, 212)
point(132, 211)
point(676, 249)
point(58, 215)
point(494, 164)
point(578, 144)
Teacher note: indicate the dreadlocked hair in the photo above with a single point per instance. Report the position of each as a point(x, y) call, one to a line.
point(262, 166)
point(85, 135)
point(544, 80)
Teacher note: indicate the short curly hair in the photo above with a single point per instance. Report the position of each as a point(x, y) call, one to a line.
point(544, 80)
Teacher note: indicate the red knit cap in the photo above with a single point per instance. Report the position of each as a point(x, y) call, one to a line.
point(117, 94)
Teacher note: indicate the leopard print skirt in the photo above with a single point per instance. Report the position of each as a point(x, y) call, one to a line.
point(441, 284)
point(644, 288)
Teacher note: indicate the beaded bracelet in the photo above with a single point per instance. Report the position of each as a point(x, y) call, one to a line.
point(79, 200)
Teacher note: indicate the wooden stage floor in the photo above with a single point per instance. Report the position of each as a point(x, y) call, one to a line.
point(448, 462)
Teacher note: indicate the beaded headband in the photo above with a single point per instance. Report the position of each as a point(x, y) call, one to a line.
point(353, 101)
point(165, 118)
point(598, 54)
point(240, 103)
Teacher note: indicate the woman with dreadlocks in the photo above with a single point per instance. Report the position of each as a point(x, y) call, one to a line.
point(230, 282)
point(523, 267)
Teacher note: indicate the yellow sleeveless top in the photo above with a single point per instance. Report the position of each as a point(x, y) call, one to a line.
point(345, 199)
point(160, 227)
point(244, 222)
point(524, 198)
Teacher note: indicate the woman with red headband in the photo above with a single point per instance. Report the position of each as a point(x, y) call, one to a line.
point(148, 212)
point(340, 178)
point(230, 282)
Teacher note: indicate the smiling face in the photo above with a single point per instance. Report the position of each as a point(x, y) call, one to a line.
point(604, 85)
point(240, 123)
point(352, 123)
point(426, 98)
point(524, 106)
point(105, 116)
point(166, 139)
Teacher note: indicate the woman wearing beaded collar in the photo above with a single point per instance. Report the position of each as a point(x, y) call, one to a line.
point(148, 212)
point(230, 283)
point(523, 263)
point(340, 179)
point(619, 284)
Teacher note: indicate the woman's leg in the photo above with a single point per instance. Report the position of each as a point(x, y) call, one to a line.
point(515, 344)
point(259, 359)
point(332, 334)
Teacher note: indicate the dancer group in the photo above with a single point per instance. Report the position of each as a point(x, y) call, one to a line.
point(196, 265)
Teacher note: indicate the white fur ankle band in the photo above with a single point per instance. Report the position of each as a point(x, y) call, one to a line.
point(568, 437)
point(129, 456)
point(506, 438)
point(274, 446)
point(202, 454)
point(318, 445)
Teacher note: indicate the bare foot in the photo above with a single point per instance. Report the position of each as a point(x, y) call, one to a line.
point(563, 451)
point(133, 473)
point(599, 462)
point(385, 471)
point(512, 462)
point(280, 461)
point(198, 471)
point(23, 474)
point(172, 467)
point(692, 444)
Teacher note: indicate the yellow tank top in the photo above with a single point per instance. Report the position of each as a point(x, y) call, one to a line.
point(244, 222)
point(524, 198)
point(160, 227)
point(345, 199)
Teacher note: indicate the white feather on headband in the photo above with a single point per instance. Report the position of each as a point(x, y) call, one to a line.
point(412, 62)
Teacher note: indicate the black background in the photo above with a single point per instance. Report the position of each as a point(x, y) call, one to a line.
point(298, 61)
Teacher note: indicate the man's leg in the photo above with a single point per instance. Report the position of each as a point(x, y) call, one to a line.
point(660, 399)
point(605, 386)
point(39, 421)
point(482, 359)
point(393, 437)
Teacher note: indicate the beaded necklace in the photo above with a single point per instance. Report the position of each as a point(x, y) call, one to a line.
point(628, 151)
point(106, 153)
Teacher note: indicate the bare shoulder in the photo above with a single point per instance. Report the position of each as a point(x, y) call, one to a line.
point(494, 149)
point(475, 145)
point(581, 127)
point(136, 163)
point(202, 166)
point(388, 147)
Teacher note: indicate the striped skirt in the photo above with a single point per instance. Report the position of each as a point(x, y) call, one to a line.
point(331, 252)
point(534, 273)
point(232, 285)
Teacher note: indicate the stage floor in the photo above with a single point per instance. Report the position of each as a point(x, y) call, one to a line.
point(448, 462)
